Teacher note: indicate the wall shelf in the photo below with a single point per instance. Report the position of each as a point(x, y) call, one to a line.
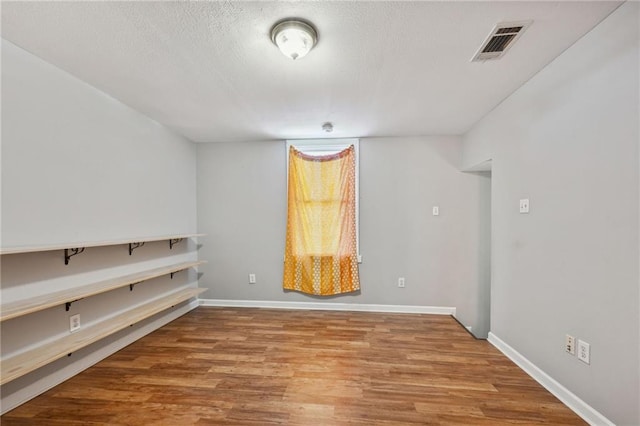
point(66, 297)
point(173, 239)
point(25, 362)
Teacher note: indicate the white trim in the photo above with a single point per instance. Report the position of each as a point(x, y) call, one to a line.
point(581, 408)
point(327, 306)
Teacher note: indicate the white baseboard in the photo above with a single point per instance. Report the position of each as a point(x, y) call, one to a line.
point(24, 388)
point(328, 306)
point(581, 408)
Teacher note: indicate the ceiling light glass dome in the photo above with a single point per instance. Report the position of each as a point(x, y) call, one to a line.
point(294, 37)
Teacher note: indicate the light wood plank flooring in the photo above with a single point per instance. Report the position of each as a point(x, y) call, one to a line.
point(260, 367)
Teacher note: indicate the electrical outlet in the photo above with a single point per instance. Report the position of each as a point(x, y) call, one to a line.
point(570, 344)
point(584, 351)
point(524, 205)
point(401, 282)
point(252, 278)
point(74, 323)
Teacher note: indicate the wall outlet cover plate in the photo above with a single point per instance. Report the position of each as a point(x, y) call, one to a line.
point(584, 352)
point(74, 323)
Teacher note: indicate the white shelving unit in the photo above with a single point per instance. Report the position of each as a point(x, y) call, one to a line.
point(66, 297)
point(32, 358)
point(172, 239)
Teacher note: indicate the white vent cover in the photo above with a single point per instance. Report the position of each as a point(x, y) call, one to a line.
point(501, 38)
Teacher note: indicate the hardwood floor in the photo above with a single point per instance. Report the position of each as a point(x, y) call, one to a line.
point(259, 367)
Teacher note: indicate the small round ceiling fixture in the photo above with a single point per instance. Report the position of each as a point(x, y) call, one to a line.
point(327, 127)
point(294, 37)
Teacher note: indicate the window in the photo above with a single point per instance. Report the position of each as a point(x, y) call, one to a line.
point(320, 147)
point(321, 250)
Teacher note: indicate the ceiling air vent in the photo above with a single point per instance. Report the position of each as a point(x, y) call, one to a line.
point(500, 40)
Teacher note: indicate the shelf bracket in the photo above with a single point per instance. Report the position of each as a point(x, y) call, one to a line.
point(67, 305)
point(133, 246)
point(133, 284)
point(174, 241)
point(174, 272)
point(73, 252)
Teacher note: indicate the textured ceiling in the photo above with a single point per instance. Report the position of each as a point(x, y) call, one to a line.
point(209, 71)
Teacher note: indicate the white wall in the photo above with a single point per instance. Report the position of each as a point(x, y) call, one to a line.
point(78, 166)
point(568, 141)
point(242, 209)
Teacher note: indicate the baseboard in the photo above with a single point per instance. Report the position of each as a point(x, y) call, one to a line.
point(328, 306)
point(581, 408)
point(24, 388)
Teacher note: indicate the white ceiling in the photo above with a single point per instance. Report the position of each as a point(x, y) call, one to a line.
point(209, 71)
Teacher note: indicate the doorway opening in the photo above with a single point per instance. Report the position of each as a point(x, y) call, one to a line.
point(482, 324)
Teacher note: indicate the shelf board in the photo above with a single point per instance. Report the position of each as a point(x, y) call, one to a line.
point(39, 303)
point(25, 362)
point(49, 247)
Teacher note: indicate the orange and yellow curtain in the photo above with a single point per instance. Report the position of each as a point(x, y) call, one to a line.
point(321, 249)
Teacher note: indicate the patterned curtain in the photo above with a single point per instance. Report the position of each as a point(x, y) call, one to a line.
point(321, 250)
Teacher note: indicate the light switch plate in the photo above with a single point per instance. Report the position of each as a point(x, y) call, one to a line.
point(570, 344)
point(524, 205)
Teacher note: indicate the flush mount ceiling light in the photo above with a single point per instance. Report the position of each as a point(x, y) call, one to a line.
point(294, 37)
point(327, 127)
